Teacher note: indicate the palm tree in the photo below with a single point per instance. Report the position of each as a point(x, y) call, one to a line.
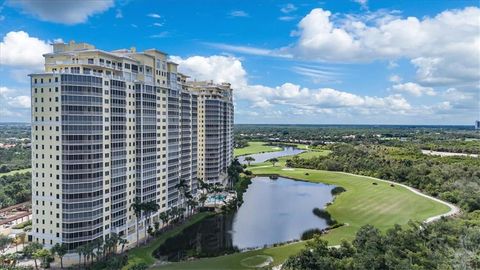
point(202, 199)
point(137, 207)
point(123, 242)
point(99, 246)
point(273, 161)
point(61, 250)
point(149, 208)
point(182, 187)
point(80, 251)
point(89, 251)
point(201, 184)
point(113, 242)
point(31, 249)
point(42, 255)
point(249, 159)
point(164, 217)
point(192, 203)
point(108, 246)
point(188, 196)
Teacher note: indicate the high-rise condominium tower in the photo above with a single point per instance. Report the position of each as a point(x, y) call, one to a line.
point(215, 130)
point(109, 128)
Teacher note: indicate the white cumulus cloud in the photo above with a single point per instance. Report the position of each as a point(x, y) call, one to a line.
point(292, 96)
point(443, 48)
point(414, 89)
point(19, 49)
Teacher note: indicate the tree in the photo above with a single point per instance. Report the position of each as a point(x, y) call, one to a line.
point(149, 208)
point(113, 242)
point(5, 242)
point(156, 226)
point(202, 199)
point(88, 252)
point(43, 255)
point(80, 250)
point(273, 161)
point(123, 242)
point(182, 188)
point(164, 217)
point(22, 238)
point(31, 249)
point(99, 245)
point(61, 250)
point(249, 159)
point(137, 207)
point(192, 203)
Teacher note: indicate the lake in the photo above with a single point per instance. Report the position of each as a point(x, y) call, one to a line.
point(262, 157)
point(273, 211)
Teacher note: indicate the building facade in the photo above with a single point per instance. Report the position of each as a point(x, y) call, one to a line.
point(108, 128)
point(215, 130)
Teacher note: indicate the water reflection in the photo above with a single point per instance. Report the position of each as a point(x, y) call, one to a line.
point(273, 211)
point(262, 157)
point(277, 211)
point(208, 238)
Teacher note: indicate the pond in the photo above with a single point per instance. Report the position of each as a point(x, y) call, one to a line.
point(273, 211)
point(262, 157)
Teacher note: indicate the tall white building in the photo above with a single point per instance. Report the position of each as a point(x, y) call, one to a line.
point(215, 130)
point(107, 128)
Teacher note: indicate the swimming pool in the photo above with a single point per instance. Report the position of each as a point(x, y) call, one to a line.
point(216, 198)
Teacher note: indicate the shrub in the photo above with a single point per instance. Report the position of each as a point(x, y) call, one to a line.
point(337, 190)
point(23, 225)
point(322, 213)
point(309, 234)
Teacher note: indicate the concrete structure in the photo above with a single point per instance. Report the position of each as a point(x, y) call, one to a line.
point(107, 128)
point(477, 125)
point(215, 130)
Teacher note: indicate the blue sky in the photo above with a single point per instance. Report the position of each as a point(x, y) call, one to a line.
point(309, 62)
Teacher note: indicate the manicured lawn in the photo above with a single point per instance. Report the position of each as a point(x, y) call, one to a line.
point(145, 253)
point(282, 160)
point(16, 171)
point(255, 147)
point(363, 203)
point(312, 153)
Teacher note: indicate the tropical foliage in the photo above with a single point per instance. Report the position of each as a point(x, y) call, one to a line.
point(447, 244)
point(15, 188)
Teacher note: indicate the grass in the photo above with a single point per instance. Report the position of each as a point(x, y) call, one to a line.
point(254, 148)
point(15, 172)
point(363, 203)
point(312, 154)
point(234, 261)
point(282, 160)
point(144, 254)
